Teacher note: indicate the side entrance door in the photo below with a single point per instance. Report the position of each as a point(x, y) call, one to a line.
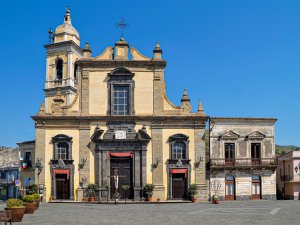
point(62, 186)
point(178, 186)
point(124, 167)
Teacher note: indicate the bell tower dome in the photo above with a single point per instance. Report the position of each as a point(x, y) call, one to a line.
point(61, 67)
point(66, 32)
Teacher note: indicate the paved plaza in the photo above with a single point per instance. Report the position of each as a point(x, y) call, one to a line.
point(239, 212)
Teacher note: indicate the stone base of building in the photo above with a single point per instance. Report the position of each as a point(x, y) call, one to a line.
point(203, 193)
point(159, 192)
point(249, 197)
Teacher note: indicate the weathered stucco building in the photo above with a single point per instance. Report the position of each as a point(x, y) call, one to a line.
point(112, 111)
point(27, 153)
point(9, 173)
point(288, 175)
point(242, 157)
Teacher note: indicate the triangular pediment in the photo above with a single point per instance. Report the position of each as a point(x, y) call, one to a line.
point(230, 135)
point(256, 135)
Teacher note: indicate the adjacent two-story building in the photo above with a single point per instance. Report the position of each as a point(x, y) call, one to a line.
point(27, 153)
point(288, 176)
point(242, 160)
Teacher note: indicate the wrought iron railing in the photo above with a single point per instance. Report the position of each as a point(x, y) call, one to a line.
point(240, 162)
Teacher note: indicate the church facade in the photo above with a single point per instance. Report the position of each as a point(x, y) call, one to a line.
point(111, 111)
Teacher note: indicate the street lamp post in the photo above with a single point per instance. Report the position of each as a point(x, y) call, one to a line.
point(297, 170)
point(39, 166)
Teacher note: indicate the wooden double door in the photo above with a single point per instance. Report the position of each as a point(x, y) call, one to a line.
point(124, 167)
point(62, 186)
point(178, 186)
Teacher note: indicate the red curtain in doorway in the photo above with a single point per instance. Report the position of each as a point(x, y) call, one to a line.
point(61, 172)
point(179, 171)
point(118, 154)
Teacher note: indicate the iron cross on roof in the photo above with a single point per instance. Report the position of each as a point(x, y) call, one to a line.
point(122, 25)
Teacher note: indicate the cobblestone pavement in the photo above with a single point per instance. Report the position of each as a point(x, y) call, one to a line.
point(239, 212)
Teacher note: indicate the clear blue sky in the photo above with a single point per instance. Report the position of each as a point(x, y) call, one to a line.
point(241, 58)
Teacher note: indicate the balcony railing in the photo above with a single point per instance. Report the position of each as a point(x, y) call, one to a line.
point(60, 83)
point(242, 162)
point(6, 181)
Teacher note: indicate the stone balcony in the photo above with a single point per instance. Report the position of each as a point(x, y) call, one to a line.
point(69, 82)
point(222, 163)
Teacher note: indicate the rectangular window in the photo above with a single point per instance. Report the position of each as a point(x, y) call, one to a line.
point(255, 154)
point(255, 151)
point(120, 100)
point(27, 156)
point(229, 153)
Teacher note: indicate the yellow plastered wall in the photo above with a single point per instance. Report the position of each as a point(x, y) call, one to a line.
point(98, 92)
point(50, 133)
point(143, 92)
point(166, 152)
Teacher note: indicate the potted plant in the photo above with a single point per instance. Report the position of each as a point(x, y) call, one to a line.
point(17, 209)
point(192, 192)
point(37, 199)
point(216, 199)
point(92, 189)
point(125, 188)
point(148, 192)
point(32, 189)
point(29, 203)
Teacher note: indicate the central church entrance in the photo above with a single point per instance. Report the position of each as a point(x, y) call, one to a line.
point(178, 185)
point(124, 167)
point(62, 186)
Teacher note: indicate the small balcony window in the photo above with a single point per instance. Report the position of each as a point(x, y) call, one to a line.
point(229, 153)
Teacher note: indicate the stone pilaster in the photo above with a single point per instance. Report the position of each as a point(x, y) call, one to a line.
point(199, 164)
point(157, 153)
point(84, 153)
point(84, 92)
point(158, 92)
point(40, 136)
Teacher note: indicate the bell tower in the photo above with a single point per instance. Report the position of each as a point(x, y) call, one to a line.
point(61, 68)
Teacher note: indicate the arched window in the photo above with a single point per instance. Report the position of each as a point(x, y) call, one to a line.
point(75, 71)
point(63, 150)
point(59, 69)
point(62, 145)
point(256, 187)
point(178, 146)
point(229, 187)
